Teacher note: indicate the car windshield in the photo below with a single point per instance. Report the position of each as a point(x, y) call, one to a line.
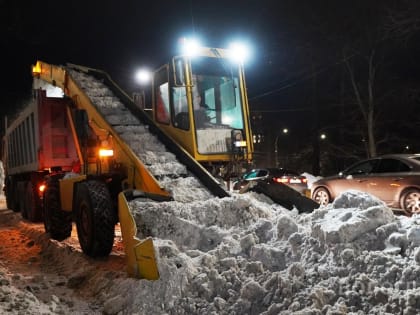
point(254, 174)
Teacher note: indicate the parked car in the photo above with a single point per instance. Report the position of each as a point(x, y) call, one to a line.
point(275, 175)
point(393, 178)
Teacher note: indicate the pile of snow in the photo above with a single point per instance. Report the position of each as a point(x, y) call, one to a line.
point(242, 255)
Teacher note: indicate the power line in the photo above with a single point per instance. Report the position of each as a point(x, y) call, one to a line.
point(299, 80)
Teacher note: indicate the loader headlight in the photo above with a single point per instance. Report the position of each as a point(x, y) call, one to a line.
point(106, 152)
point(239, 52)
point(190, 46)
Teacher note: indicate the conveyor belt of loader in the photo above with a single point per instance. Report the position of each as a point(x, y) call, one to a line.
point(169, 163)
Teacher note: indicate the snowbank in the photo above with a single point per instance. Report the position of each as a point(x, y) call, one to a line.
point(240, 255)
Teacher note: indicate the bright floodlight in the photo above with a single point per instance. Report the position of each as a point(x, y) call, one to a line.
point(143, 76)
point(190, 46)
point(239, 52)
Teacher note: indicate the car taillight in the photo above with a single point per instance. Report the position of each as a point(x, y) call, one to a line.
point(281, 180)
point(304, 180)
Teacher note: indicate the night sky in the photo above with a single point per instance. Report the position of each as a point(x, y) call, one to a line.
point(117, 37)
point(296, 77)
point(120, 37)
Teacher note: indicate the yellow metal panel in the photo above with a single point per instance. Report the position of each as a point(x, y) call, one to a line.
point(66, 191)
point(140, 255)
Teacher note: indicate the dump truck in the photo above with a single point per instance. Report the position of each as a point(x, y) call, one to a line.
point(82, 156)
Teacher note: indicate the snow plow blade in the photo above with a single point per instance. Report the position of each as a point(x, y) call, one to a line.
point(140, 254)
point(283, 195)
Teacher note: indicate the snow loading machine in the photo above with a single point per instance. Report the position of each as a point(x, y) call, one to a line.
point(83, 156)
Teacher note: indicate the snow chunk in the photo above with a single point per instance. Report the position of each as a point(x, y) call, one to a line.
point(345, 224)
point(356, 199)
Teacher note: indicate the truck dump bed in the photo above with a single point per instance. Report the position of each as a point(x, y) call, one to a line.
point(39, 137)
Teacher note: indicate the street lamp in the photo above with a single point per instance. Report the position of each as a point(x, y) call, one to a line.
point(276, 156)
point(143, 76)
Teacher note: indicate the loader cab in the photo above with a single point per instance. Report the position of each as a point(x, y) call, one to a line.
point(201, 102)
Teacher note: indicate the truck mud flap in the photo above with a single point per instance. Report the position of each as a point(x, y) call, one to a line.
point(284, 196)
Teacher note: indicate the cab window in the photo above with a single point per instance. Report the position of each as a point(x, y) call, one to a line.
point(180, 107)
point(161, 96)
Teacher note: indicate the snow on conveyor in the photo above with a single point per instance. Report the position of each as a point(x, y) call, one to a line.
point(172, 175)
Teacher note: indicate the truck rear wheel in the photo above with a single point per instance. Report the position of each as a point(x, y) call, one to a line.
point(95, 218)
point(56, 221)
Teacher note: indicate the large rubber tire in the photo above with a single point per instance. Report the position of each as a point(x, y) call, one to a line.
point(31, 208)
point(57, 223)
point(95, 218)
point(322, 196)
point(410, 201)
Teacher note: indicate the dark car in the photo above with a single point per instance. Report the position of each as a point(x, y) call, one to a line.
point(276, 175)
point(393, 178)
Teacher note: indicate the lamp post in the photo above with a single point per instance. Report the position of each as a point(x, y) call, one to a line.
point(143, 77)
point(276, 141)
